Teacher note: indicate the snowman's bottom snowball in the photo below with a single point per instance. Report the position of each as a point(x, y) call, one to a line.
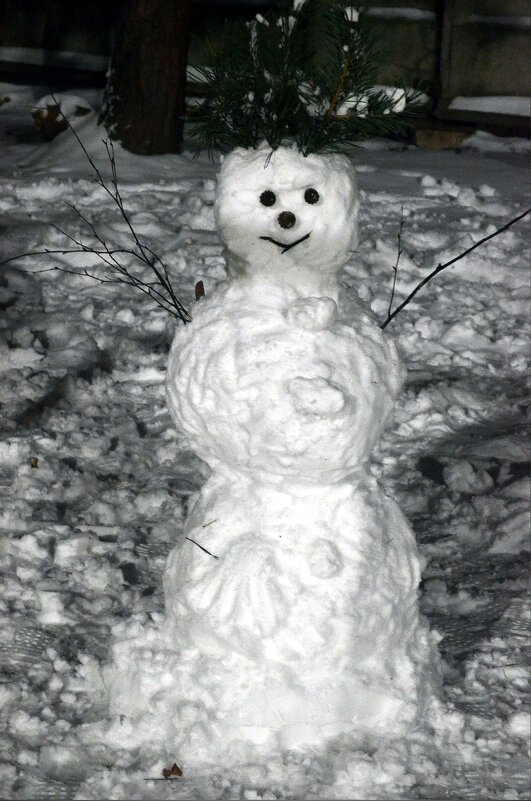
point(281, 642)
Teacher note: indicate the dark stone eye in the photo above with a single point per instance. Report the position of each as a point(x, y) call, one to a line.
point(311, 195)
point(268, 198)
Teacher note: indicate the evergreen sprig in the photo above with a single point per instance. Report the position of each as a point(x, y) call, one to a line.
point(307, 77)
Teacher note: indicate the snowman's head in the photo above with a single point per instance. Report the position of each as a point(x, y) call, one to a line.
point(279, 212)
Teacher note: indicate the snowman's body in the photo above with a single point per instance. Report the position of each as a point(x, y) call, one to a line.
point(291, 598)
point(297, 577)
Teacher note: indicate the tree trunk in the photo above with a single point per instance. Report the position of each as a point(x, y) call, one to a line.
point(145, 95)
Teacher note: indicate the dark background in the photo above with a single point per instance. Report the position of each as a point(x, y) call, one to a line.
point(449, 48)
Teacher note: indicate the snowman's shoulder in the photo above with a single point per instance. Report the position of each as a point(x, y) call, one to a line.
point(237, 312)
point(207, 309)
point(358, 318)
point(353, 310)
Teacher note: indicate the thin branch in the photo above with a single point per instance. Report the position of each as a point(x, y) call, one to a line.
point(200, 546)
point(128, 280)
point(117, 197)
point(144, 250)
point(87, 222)
point(123, 277)
point(111, 262)
point(395, 268)
point(442, 267)
point(54, 252)
point(165, 296)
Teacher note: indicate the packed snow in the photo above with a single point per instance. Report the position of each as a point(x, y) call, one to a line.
point(96, 483)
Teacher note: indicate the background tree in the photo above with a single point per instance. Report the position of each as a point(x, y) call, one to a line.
point(144, 101)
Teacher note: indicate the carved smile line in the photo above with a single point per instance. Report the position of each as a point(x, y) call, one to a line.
point(282, 245)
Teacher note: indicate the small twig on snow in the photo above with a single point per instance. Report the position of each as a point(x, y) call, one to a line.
point(442, 267)
point(202, 548)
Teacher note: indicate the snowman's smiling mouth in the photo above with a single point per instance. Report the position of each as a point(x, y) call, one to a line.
point(283, 245)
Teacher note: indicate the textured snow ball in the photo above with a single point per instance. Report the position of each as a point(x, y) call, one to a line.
point(316, 396)
point(324, 559)
point(264, 382)
point(269, 200)
point(520, 725)
point(314, 314)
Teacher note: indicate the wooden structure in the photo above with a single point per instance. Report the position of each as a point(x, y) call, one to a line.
point(485, 53)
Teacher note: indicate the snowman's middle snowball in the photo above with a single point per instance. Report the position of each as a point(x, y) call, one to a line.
point(264, 381)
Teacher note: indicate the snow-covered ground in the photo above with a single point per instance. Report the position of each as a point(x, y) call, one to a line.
point(94, 484)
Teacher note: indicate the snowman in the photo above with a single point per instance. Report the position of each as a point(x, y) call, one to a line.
point(291, 609)
point(291, 597)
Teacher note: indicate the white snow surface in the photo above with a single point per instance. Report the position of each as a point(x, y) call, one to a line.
point(96, 483)
point(71, 106)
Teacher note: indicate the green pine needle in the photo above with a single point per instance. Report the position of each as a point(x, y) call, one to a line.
point(307, 77)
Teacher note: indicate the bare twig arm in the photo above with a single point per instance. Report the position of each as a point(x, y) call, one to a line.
point(161, 291)
point(442, 267)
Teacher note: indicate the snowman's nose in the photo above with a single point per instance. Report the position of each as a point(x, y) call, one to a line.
point(286, 219)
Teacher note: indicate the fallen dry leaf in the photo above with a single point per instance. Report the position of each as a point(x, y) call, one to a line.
point(173, 772)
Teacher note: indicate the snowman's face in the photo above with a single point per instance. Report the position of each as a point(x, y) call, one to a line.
point(279, 209)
